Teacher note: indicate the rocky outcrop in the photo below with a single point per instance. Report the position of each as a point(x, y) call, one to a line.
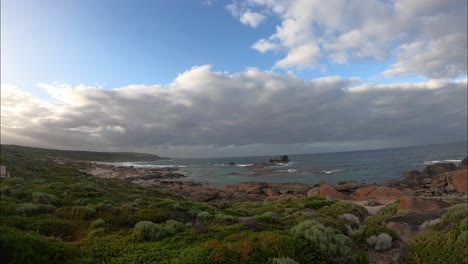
point(439, 168)
point(132, 173)
point(414, 211)
point(325, 190)
point(463, 164)
point(377, 193)
point(458, 181)
point(415, 177)
point(280, 160)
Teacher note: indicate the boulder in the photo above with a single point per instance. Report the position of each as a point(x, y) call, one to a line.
point(270, 192)
point(415, 177)
point(379, 193)
point(347, 186)
point(252, 187)
point(328, 191)
point(463, 164)
point(231, 187)
point(439, 168)
point(459, 179)
point(282, 159)
point(296, 188)
point(232, 163)
point(325, 190)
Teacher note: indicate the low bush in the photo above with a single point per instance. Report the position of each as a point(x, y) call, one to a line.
point(344, 207)
point(380, 242)
point(329, 244)
point(33, 209)
point(443, 242)
point(283, 260)
point(205, 217)
point(148, 231)
point(44, 198)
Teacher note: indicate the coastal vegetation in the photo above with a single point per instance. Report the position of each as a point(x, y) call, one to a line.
point(55, 212)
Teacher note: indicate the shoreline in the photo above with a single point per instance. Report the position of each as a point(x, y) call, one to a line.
point(437, 180)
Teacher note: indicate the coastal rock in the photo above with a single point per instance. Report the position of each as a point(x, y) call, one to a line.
point(271, 192)
point(281, 159)
point(328, 191)
point(232, 163)
point(325, 190)
point(252, 187)
point(415, 177)
point(459, 179)
point(231, 187)
point(292, 188)
point(439, 168)
point(347, 186)
point(463, 164)
point(379, 193)
point(272, 162)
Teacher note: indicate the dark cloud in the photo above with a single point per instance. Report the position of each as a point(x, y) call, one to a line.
point(239, 114)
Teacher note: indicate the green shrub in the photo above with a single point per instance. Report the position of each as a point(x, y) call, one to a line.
point(23, 247)
point(44, 198)
point(148, 231)
point(173, 227)
point(329, 243)
point(32, 209)
point(317, 203)
point(350, 219)
point(344, 207)
point(76, 212)
point(380, 242)
point(205, 217)
point(97, 223)
point(444, 242)
point(283, 260)
point(268, 217)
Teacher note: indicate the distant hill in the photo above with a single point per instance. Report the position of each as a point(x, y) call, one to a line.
point(82, 155)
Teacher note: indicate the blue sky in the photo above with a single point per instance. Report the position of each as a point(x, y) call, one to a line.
point(117, 43)
point(237, 77)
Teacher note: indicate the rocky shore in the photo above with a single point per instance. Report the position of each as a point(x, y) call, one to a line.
point(132, 173)
point(437, 180)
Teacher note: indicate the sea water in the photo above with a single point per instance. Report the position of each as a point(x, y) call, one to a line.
point(367, 166)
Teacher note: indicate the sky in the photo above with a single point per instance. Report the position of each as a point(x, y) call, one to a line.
point(209, 78)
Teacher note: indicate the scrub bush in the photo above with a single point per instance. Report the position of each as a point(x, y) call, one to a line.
point(148, 231)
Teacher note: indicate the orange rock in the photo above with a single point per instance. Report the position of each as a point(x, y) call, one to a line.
point(364, 191)
point(328, 191)
point(231, 187)
point(405, 203)
point(270, 192)
point(380, 193)
point(460, 180)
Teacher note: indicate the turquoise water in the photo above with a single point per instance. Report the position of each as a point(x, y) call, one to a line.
point(367, 166)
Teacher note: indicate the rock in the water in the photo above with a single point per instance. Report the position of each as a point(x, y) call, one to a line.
point(463, 164)
point(232, 163)
point(282, 159)
point(439, 168)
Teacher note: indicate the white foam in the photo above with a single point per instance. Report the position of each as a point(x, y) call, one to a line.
point(430, 162)
point(331, 171)
point(244, 165)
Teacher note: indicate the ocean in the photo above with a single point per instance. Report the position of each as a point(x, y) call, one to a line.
point(366, 166)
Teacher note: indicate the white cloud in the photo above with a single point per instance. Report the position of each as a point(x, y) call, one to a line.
point(246, 16)
point(246, 111)
point(429, 37)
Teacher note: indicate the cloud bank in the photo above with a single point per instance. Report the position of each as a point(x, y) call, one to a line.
point(424, 37)
point(240, 112)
